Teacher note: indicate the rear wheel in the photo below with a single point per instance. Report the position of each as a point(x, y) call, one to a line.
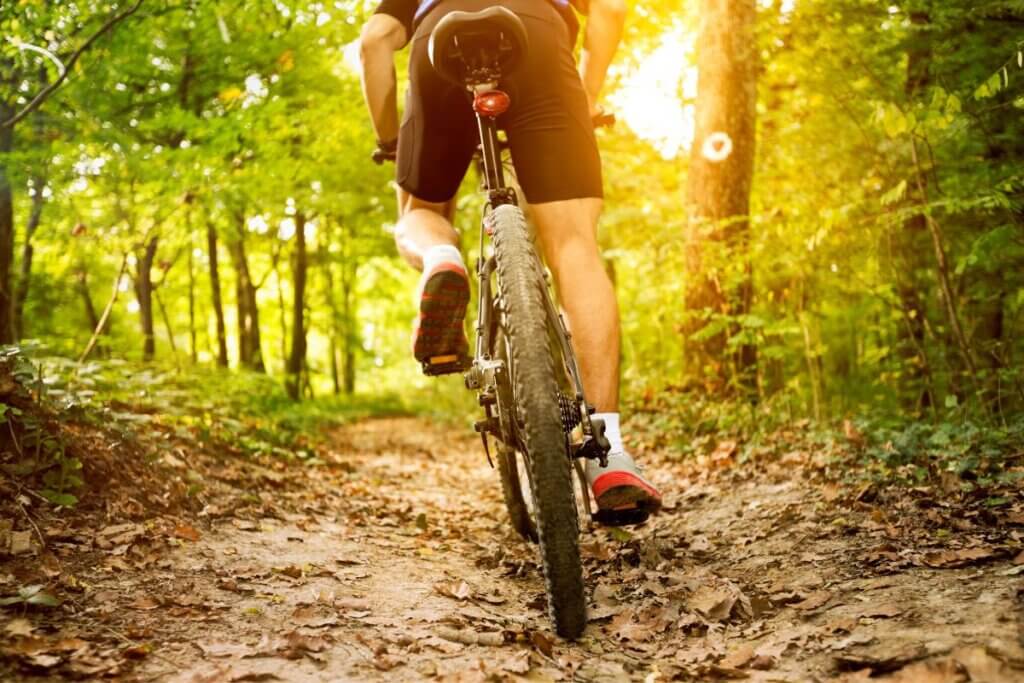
point(537, 420)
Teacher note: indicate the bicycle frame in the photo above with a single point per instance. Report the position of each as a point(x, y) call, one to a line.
point(485, 373)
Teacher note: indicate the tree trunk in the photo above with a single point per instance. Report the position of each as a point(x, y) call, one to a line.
point(6, 228)
point(144, 295)
point(718, 190)
point(250, 354)
point(297, 358)
point(218, 304)
point(910, 246)
point(193, 349)
point(27, 253)
point(332, 308)
point(282, 308)
point(348, 277)
point(83, 290)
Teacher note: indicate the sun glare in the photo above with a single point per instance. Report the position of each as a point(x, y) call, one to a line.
point(654, 96)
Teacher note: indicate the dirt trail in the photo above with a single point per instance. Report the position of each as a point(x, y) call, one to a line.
point(390, 559)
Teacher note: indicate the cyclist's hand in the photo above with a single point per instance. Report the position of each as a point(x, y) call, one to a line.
point(386, 151)
point(603, 119)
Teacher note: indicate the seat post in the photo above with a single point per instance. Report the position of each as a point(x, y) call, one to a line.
point(485, 96)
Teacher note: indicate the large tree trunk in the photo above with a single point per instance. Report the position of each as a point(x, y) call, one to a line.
point(218, 304)
point(718, 189)
point(6, 228)
point(250, 353)
point(144, 295)
point(297, 357)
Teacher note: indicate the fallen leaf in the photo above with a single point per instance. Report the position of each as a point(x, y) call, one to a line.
point(715, 603)
point(144, 602)
point(814, 601)
point(883, 660)
point(471, 637)
point(18, 627)
point(224, 649)
point(739, 658)
point(951, 559)
point(884, 610)
point(458, 591)
point(518, 663)
point(187, 532)
point(21, 542)
point(544, 644)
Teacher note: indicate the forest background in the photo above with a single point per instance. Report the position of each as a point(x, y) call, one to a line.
point(189, 220)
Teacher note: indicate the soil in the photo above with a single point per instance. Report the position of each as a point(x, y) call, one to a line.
point(388, 556)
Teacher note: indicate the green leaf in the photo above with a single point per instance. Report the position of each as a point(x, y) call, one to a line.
point(990, 87)
point(43, 599)
point(952, 401)
point(62, 499)
point(895, 194)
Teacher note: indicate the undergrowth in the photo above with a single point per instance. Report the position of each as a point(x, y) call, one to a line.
point(43, 395)
point(977, 451)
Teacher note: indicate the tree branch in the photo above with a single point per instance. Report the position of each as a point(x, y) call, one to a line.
point(48, 90)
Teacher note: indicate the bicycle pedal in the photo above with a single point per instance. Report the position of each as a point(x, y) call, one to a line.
point(445, 365)
point(628, 517)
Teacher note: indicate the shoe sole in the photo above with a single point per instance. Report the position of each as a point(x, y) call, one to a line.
point(439, 333)
point(623, 498)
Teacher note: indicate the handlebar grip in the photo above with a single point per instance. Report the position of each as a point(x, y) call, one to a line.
point(381, 156)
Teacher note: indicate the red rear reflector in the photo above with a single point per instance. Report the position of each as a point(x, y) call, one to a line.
point(491, 103)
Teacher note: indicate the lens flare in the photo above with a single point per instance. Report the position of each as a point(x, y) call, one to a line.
point(655, 97)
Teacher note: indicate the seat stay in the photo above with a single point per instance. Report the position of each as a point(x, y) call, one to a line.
point(490, 157)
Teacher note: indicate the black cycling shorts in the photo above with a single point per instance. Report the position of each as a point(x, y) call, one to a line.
point(549, 127)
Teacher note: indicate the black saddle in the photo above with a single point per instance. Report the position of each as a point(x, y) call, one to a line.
point(475, 48)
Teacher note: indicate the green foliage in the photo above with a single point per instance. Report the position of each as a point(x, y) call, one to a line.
point(883, 130)
point(40, 449)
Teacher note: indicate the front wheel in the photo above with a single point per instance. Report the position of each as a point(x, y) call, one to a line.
point(537, 419)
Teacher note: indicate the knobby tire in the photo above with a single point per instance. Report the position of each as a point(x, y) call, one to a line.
point(522, 287)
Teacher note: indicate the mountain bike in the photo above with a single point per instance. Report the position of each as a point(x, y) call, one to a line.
point(523, 369)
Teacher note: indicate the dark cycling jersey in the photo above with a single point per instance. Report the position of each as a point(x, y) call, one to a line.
point(411, 12)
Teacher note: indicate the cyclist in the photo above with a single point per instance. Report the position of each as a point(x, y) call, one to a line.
point(554, 151)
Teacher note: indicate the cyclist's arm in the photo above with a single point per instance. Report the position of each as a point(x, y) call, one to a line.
point(605, 21)
point(382, 36)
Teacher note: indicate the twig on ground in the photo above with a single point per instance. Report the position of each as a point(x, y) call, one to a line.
point(42, 541)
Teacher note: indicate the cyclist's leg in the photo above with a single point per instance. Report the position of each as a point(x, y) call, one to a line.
point(435, 147)
point(423, 225)
point(567, 231)
point(550, 112)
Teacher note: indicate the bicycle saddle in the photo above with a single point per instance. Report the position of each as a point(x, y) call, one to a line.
point(474, 48)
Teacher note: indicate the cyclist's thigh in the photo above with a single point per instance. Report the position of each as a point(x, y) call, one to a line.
point(549, 126)
point(438, 135)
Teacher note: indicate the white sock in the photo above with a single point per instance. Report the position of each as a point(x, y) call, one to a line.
point(443, 253)
point(611, 430)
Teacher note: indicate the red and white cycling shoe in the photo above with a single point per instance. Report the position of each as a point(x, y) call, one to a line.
point(622, 494)
point(439, 339)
